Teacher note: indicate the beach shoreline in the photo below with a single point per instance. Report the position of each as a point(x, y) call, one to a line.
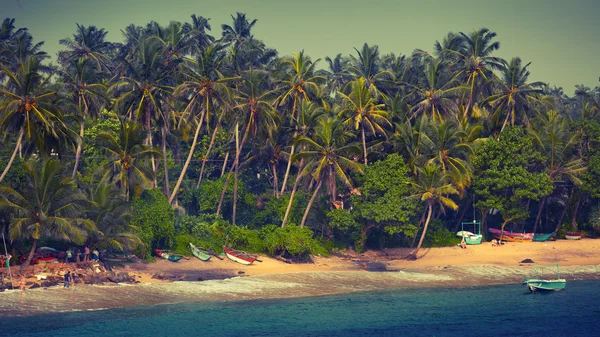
point(343, 272)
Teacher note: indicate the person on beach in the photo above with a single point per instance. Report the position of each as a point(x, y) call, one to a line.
point(69, 255)
point(22, 284)
point(72, 280)
point(67, 279)
point(463, 244)
point(86, 255)
point(8, 256)
point(95, 255)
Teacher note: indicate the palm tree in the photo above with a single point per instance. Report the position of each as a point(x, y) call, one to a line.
point(515, 94)
point(337, 75)
point(239, 31)
point(328, 157)
point(126, 154)
point(299, 84)
point(473, 60)
point(368, 65)
point(196, 32)
point(361, 111)
point(112, 215)
point(438, 94)
point(432, 187)
point(205, 88)
point(86, 93)
point(88, 43)
point(49, 206)
point(256, 115)
point(29, 110)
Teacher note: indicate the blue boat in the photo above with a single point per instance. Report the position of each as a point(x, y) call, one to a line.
point(541, 237)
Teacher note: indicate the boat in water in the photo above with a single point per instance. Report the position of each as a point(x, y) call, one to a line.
point(537, 283)
point(165, 255)
point(239, 256)
point(199, 253)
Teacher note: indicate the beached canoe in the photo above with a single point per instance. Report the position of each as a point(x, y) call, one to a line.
point(511, 236)
point(199, 253)
point(165, 255)
point(541, 237)
point(573, 235)
point(239, 256)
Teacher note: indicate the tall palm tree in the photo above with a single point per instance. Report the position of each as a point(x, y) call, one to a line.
point(205, 87)
point(256, 115)
point(196, 32)
point(239, 31)
point(368, 65)
point(86, 93)
point(299, 84)
point(362, 112)
point(433, 188)
point(87, 43)
point(28, 109)
point(48, 207)
point(514, 95)
point(328, 157)
point(438, 94)
point(337, 73)
point(126, 156)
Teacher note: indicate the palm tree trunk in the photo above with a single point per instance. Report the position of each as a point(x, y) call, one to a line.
point(30, 256)
point(189, 157)
point(289, 206)
point(413, 255)
point(310, 202)
point(289, 164)
point(364, 142)
point(418, 228)
point(149, 142)
point(212, 142)
point(539, 214)
point(275, 183)
point(470, 102)
point(12, 157)
point(79, 147)
point(235, 176)
point(225, 163)
point(564, 212)
point(233, 167)
point(575, 211)
point(165, 166)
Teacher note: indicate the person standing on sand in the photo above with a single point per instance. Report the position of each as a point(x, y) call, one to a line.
point(86, 255)
point(22, 283)
point(67, 279)
point(69, 255)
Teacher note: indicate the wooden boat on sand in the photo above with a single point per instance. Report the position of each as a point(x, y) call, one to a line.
point(165, 255)
point(199, 253)
point(541, 237)
point(511, 236)
point(239, 256)
point(573, 235)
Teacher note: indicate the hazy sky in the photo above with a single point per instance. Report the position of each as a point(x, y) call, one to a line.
point(561, 38)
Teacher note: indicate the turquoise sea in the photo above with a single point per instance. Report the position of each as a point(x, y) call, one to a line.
point(505, 310)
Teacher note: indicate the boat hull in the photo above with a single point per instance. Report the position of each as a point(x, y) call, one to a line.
point(545, 285)
point(541, 237)
point(199, 253)
point(573, 235)
point(239, 257)
point(511, 236)
point(474, 239)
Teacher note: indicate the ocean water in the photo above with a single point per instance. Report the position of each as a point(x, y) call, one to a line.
point(502, 310)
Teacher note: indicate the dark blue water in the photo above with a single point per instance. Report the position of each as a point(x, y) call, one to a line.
point(479, 311)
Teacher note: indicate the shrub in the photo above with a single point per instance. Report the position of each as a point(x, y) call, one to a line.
point(290, 241)
point(439, 236)
point(154, 218)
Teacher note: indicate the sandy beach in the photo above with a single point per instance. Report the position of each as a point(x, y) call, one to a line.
point(343, 272)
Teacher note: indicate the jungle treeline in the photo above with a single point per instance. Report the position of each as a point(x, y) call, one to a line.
point(177, 134)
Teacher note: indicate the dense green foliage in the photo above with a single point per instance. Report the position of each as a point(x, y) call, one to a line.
point(179, 136)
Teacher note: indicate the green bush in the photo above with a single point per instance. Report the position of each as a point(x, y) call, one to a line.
point(154, 218)
point(439, 236)
point(290, 241)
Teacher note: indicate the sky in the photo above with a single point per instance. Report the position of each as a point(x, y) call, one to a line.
point(560, 38)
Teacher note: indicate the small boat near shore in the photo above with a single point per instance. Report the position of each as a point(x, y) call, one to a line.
point(573, 235)
point(511, 236)
point(199, 253)
point(239, 256)
point(541, 237)
point(166, 255)
point(538, 284)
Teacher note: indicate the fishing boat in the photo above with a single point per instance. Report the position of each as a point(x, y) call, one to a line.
point(541, 237)
point(573, 235)
point(239, 256)
point(511, 236)
point(199, 253)
point(539, 284)
point(469, 237)
point(165, 255)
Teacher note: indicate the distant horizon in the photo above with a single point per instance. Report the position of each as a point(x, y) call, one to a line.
point(559, 39)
